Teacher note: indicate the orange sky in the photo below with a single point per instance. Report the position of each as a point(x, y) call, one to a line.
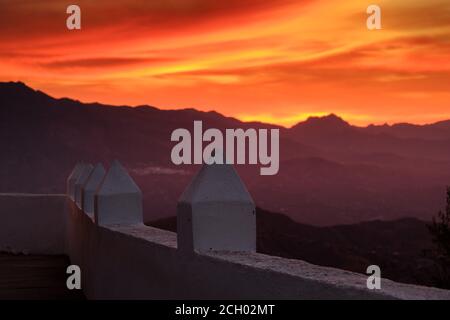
point(276, 61)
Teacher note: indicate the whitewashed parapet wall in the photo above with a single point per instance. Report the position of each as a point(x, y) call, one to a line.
point(118, 199)
point(73, 177)
point(82, 178)
point(212, 257)
point(90, 189)
point(121, 258)
point(216, 212)
point(111, 198)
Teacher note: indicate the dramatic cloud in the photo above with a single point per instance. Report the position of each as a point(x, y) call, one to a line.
point(277, 61)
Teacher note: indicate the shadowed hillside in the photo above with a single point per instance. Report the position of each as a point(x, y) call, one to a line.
point(330, 172)
point(396, 246)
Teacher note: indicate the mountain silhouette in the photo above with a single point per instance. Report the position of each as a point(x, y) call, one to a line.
point(331, 172)
point(327, 124)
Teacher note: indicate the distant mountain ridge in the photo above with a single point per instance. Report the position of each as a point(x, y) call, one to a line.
point(330, 173)
point(19, 88)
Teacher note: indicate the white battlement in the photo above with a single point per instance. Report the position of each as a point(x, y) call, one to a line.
point(216, 212)
point(90, 189)
point(121, 258)
point(81, 181)
point(118, 199)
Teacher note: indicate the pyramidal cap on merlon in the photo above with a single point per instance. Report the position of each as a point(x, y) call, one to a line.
point(117, 180)
point(73, 178)
point(216, 212)
point(90, 188)
point(79, 183)
point(118, 199)
point(216, 183)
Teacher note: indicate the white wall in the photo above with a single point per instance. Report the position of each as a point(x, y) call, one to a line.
point(140, 262)
point(32, 223)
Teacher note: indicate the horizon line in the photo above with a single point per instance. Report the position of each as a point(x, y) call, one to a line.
point(304, 117)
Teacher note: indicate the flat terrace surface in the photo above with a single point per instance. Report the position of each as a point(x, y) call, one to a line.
point(35, 277)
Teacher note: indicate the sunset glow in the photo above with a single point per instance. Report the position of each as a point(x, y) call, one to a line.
point(275, 61)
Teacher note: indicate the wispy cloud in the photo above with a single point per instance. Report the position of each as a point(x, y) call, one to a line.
point(242, 58)
point(104, 62)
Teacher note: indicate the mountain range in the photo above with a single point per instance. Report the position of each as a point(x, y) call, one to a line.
point(331, 172)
